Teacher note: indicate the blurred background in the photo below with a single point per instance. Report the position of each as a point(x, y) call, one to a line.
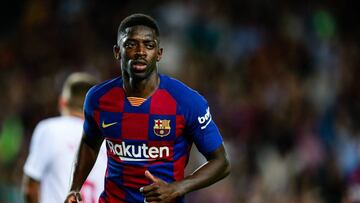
point(280, 78)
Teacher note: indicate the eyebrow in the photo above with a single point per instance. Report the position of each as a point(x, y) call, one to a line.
point(144, 40)
point(148, 38)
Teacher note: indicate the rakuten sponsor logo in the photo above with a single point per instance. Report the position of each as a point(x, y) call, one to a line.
point(130, 152)
point(205, 119)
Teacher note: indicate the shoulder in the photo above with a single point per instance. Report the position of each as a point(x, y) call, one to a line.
point(48, 123)
point(97, 91)
point(58, 121)
point(100, 89)
point(46, 128)
point(182, 93)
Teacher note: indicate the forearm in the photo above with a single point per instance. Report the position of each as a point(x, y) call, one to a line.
point(31, 198)
point(31, 189)
point(84, 162)
point(216, 168)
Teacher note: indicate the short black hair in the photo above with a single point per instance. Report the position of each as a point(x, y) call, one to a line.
point(138, 19)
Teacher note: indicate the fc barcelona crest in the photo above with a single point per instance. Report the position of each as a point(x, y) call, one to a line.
point(162, 127)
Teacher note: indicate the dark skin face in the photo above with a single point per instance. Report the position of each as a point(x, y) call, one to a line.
point(138, 52)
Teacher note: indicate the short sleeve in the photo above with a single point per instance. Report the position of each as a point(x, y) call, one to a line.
point(91, 127)
point(201, 126)
point(40, 153)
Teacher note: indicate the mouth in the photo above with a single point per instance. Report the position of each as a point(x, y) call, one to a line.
point(138, 65)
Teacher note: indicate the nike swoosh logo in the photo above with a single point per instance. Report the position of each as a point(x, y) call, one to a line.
point(107, 124)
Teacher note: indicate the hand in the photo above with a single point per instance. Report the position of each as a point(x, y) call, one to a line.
point(159, 191)
point(73, 197)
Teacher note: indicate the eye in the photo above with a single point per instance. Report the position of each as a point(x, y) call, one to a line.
point(150, 45)
point(129, 45)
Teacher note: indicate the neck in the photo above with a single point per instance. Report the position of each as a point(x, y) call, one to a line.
point(141, 87)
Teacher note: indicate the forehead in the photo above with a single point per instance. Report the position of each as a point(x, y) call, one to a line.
point(139, 31)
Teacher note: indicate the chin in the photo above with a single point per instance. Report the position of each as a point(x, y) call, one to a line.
point(140, 76)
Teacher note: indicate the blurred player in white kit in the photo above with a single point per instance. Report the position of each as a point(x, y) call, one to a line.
point(54, 142)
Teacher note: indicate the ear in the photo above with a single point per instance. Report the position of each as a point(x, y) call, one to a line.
point(62, 103)
point(160, 52)
point(116, 50)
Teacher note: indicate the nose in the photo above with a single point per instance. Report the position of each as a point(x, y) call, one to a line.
point(140, 51)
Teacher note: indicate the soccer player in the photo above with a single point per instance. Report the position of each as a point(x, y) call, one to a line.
point(53, 148)
point(149, 122)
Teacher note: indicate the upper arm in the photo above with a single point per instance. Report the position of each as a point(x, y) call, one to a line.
point(37, 161)
point(201, 127)
point(94, 143)
point(91, 132)
point(218, 154)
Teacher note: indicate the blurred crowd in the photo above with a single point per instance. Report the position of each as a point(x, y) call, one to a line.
point(280, 78)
